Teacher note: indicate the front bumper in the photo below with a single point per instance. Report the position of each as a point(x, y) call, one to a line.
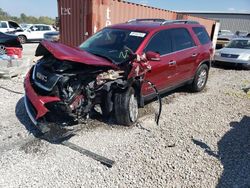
point(34, 103)
point(231, 61)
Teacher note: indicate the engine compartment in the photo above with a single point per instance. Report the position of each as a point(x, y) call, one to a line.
point(80, 87)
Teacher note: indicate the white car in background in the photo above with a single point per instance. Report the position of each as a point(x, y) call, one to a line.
point(8, 26)
point(34, 33)
point(236, 52)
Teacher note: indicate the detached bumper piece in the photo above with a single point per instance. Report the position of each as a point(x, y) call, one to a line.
point(31, 111)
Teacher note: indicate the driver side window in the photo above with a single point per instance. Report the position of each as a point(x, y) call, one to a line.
point(160, 43)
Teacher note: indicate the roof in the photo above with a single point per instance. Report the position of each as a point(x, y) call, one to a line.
point(146, 26)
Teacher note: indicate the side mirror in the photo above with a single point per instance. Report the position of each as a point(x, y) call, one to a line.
point(153, 56)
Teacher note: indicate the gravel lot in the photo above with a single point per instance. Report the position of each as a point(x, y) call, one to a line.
point(203, 140)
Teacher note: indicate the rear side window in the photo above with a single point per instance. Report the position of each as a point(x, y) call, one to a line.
point(45, 28)
point(202, 35)
point(182, 39)
point(160, 43)
point(3, 25)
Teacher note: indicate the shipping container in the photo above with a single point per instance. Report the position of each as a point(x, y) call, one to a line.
point(209, 24)
point(79, 19)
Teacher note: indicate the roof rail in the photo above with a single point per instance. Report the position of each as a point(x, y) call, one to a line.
point(147, 20)
point(179, 22)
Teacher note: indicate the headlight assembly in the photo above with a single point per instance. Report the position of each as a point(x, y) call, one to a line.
point(109, 75)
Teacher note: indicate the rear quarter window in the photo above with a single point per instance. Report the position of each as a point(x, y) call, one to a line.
point(3, 25)
point(202, 35)
point(46, 28)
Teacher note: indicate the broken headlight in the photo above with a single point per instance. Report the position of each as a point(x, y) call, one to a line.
point(107, 76)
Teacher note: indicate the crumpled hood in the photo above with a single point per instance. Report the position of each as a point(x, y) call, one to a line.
point(64, 52)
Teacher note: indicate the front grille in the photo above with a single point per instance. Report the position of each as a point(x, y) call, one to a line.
point(41, 91)
point(230, 56)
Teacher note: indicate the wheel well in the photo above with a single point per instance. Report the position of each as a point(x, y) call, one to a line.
point(208, 63)
point(22, 35)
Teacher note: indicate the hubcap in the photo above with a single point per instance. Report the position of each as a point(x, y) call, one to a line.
point(2, 50)
point(133, 108)
point(202, 78)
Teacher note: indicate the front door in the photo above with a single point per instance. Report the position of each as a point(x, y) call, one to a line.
point(162, 71)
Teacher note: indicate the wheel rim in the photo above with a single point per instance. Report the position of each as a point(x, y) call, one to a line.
point(202, 78)
point(2, 50)
point(133, 108)
point(21, 39)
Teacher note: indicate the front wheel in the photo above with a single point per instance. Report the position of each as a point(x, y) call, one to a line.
point(126, 107)
point(200, 78)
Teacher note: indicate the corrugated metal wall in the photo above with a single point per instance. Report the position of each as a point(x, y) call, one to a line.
point(207, 23)
point(79, 19)
point(234, 22)
point(114, 11)
point(74, 18)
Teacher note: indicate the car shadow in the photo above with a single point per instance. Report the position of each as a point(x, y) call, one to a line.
point(234, 154)
point(56, 135)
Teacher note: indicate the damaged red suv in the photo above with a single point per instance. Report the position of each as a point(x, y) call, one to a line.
point(111, 68)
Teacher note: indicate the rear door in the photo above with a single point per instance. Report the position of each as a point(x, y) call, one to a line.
point(163, 70)
point(33, 33)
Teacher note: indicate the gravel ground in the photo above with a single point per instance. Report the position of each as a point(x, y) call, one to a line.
point(203, 140)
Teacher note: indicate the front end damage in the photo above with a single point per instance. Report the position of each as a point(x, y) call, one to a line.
point(64, 86)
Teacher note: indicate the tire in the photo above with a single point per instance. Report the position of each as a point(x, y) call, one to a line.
point(22, 39)
point(2, 50)
point(107, 105)
point(200, 79)
point(126, 107)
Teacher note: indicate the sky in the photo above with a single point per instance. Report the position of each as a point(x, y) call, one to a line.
point(49, 7)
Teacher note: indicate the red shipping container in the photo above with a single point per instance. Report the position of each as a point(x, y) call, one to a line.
point(11, 51)
point(79, 19)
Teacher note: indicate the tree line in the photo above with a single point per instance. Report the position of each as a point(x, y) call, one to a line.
point(23, 18)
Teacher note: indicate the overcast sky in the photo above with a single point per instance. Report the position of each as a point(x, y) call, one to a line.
point(49, 7)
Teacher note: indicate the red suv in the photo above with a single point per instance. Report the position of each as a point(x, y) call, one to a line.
point(111, 68)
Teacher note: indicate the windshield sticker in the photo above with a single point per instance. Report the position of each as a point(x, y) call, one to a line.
point(124, 55)
point(137, 34)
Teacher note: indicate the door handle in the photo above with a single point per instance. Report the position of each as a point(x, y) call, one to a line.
point(194, 54)
point(172, 63)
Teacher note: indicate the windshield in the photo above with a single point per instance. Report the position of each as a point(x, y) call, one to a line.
point(114, 44)
point(242, 44)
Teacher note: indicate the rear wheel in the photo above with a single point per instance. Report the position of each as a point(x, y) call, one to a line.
point(2, 50)
point(200, 78)
point(126, 107)
point(22, 39)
